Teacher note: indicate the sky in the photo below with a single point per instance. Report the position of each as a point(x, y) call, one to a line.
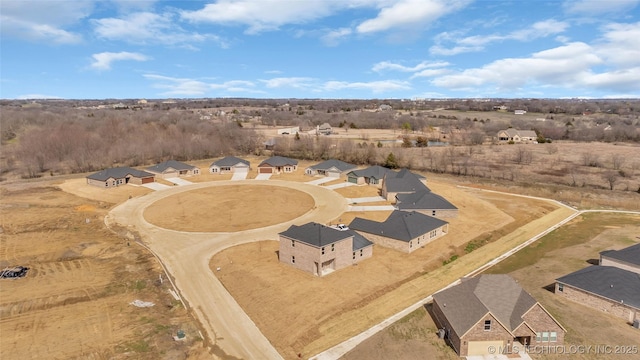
point(326, 49)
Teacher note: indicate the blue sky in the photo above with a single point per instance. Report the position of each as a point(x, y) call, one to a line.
point(358, 49)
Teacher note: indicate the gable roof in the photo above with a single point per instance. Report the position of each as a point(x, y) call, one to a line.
point(400, 225)
point(423, 200)
point(279, 161)
point(359, 241)
point(607, 281)
point(229, 161)
point(465, 304)
point(161, 167)
point(376, 172)
point(118, 173)
point(403, 181)
point(315, 234)
point(511, 132)
point(338, 164)
point(629, 254)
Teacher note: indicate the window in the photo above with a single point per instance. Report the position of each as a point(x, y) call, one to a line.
point(293, 259)
point(538, 336)
point(354, 255)
point(360, 252)
point(545, 336)
point(433, 234)
point(561, 287)
point(333, 247)
point(553, 337)
point(410, 244)
point(433, 213)
point(418, 241)
point(487, 325)
point(293, 243)
point(323, 251)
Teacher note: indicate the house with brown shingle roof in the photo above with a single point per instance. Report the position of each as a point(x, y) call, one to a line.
point(492, 314)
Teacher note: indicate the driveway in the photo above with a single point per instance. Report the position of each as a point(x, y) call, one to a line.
point(371, 208)
point(179, 181)
point(239, 175)
point(321, 180)
point(186, 257)
point(341, 185)
point(365, 199)
point(263, 176)
point(156, 186)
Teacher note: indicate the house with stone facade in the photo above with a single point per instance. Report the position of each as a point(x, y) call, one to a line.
point(372, 175)
point(613, 286)
point(517, 136)
point(114, 177)
point(172, 169)
point(492, 314)
point(277, 165)
point(426, 202)
point(321, 250)
point(401, 182)
point(330, 168)
point(229, 164)
point(403, 231)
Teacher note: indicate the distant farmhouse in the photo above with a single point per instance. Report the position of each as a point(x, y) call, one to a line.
point(324, 129)
point(320, 250)
point(517, 135)
point(402, 231)
point(229, 164)
point(331, 168)
point(519, 112)
point(172, 168)
point(492, 314)
point(278, 165)
point(117, 176)
point(613, 286)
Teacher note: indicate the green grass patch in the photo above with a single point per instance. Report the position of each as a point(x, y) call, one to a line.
point(578, 231)
point(450, 260)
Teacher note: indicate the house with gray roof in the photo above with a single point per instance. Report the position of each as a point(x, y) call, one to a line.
point(371, 176)
point(492, 314)
point(320, 249)
point(517, 136)
point(278, 165)
point(331, 168)
point(402, 182)
point(403, 231)
point(426, 202)
point(229, 164)
point(612, 287)
point(114, 177)
point(173, 168)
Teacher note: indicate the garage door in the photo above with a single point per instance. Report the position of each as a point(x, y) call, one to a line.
point(147, 180)
point(265, 170)
point(334, 174)
point(484, 347)
point(241, 169)
point(353, 180)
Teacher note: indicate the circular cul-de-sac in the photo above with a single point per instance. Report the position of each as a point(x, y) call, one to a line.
point(228, 208)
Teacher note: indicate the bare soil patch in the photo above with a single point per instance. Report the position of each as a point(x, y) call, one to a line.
point(79, 187)
point(74, 301)
point(278, 297)
point(228, 208)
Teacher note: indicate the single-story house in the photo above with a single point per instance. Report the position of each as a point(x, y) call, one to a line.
point(372, 175)
point(402, 182)
point(278, 165)
point(613, 286)
point(324, 129)
point(517, 135)
point(491, 314)
point(119, 176)
point(519, 112)
point(229, 164)
point(426, 202)
point(269, 144)
point(320, 250)
point(173, 168)
point(402, 231)
point(331, 168)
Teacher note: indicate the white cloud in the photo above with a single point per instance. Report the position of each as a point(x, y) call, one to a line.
point(290, 82)
point(430, 73)
point(620, 44)
point(173, 86)
point(478, 42)
point(102, 61)
point(43, 21)
point(333, 37)
point(373, 86)
point(37, 96)
point(409, 14)
point(387, 65)
point(146, 27)
point(599, 7)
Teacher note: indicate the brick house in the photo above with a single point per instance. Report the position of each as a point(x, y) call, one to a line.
point(370, 176)
point(401, 182)
point(612, 287)
point(493, 312)
point(277, 165)
point(114, 177)
point(402, 231)
point(320, 250)
point(173, 168)
point(426, 202)
point(229, 164)
point(331, 168)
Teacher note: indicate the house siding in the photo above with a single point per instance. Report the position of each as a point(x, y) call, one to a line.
point(477, 333)
point(599, 303)
point(367, 252)
point(440, 214)
point(215, 169)
point(307, 257)
point(404, 246)
point(443, 323)
point(605, 261)
point(541, 321)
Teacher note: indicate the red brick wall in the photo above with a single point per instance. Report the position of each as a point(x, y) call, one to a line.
point(306, 256)
point(540, 321)
point(477, 333)
point(614, 308)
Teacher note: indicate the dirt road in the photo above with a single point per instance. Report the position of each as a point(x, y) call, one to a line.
point(186, 256)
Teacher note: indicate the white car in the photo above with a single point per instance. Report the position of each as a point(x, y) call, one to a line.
point(342, 227)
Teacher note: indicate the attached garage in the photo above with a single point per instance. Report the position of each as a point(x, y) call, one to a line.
point(353, 179)
point(147, 180)
point(485, 347)
point(265, 170)
point(333, 173)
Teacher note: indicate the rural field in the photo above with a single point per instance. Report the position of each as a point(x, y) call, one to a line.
point(572, 247)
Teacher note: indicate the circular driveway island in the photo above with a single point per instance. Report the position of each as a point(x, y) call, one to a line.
point(229, 208)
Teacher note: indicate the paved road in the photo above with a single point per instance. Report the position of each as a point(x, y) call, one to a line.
point(186, 257)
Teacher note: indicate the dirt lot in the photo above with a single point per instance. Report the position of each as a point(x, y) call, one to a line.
point(277, 297)
point(228, 208)
point(74, 301)
point(559, 253)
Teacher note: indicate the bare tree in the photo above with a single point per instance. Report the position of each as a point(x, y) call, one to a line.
point(611, 177)
point(616, 161)
point(522, 156)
